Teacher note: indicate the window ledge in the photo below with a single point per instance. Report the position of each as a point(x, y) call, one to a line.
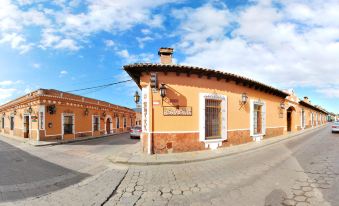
point(214, 140)
point(213, 144)
point(257, 135)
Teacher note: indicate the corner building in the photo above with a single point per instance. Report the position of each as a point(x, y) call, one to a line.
point(187, 108)
point(48, 114)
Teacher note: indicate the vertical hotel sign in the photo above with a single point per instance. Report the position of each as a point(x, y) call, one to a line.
point(145, 106)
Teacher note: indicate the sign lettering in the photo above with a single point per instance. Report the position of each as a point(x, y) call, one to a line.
point(177, 111)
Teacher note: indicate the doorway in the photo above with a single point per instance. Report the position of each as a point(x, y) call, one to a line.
point(290, 118)
point(108, 126)
point(26, 126)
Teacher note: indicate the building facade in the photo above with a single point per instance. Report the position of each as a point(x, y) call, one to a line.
point(54, 115)
point(188, 108)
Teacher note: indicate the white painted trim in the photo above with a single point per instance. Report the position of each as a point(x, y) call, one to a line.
point(197, 131)
point(29, 125)
point(276, 127)
point(3, 120)
point(232, 130)
point(84, 132)
point(212, 144)
point(42, 110)
point(62, 123)
point(302, 119)
point(111, 124)
point(124, 122)
point(117, 126)
point(258, 137)
point(95, 116)
point(51, 135)
point(165, 132)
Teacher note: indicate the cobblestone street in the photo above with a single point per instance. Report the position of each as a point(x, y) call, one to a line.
point(301, 171)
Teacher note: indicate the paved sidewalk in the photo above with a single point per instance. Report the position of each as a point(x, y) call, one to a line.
point(138, 158)
point(56, 142)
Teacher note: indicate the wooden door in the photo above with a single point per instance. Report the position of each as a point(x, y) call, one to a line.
point(108, 126)
point(26, 127)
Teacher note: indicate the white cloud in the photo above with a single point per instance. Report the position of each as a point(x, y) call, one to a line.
point(69, 44)
point(107, 15)
point(9, 89)
point(143, 40)
point(16, 41)
point(36, 66)
point(329, 92)
point(109, 43)
point(64, 27)
point(281, 46)
point(131, 58)
point(6, 93)
point(6, 83)
point(63, 73)
point(202, 24)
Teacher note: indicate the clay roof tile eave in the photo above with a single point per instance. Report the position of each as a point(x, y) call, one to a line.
point(134, 70)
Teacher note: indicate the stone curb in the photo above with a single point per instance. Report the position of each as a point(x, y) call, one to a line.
point(155, 162)
point(73, 140)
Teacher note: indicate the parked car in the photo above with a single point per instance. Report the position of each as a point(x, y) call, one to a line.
point(135, 132)
point(335, 127)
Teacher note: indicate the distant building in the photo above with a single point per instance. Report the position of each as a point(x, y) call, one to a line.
point(186, 108)
point(138, 116)
point(48, 114)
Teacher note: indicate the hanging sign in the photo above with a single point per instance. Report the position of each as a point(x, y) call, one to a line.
point(34, 118)
point(177, 111)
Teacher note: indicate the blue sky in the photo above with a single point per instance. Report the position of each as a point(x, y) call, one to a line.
point(72, 44)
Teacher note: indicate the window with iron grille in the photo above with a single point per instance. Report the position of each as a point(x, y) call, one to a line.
point(212, 119)
point(257, 122)
point(95, 123)
point(68, 124)
point(125, 122)
point(12, 123)
point(3, 123)
point(118, 122)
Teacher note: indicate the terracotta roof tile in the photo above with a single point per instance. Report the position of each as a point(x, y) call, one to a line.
point(134, 71)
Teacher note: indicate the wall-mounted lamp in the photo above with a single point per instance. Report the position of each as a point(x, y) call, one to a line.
point(30, 110)
point(3, 114)
point(14, 112)
point(86, 111)
point(104, 114)
point(244, 98)
point(163, 90)
point(51, 109)
point(136, 97)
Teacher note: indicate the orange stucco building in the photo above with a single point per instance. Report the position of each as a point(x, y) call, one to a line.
point(54, 115)
point(187, 108)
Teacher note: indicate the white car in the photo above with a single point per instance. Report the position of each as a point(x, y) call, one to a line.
point(335, 127)
point(135, 132)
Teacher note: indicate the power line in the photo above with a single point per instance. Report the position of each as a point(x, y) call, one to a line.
point(100, 86)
